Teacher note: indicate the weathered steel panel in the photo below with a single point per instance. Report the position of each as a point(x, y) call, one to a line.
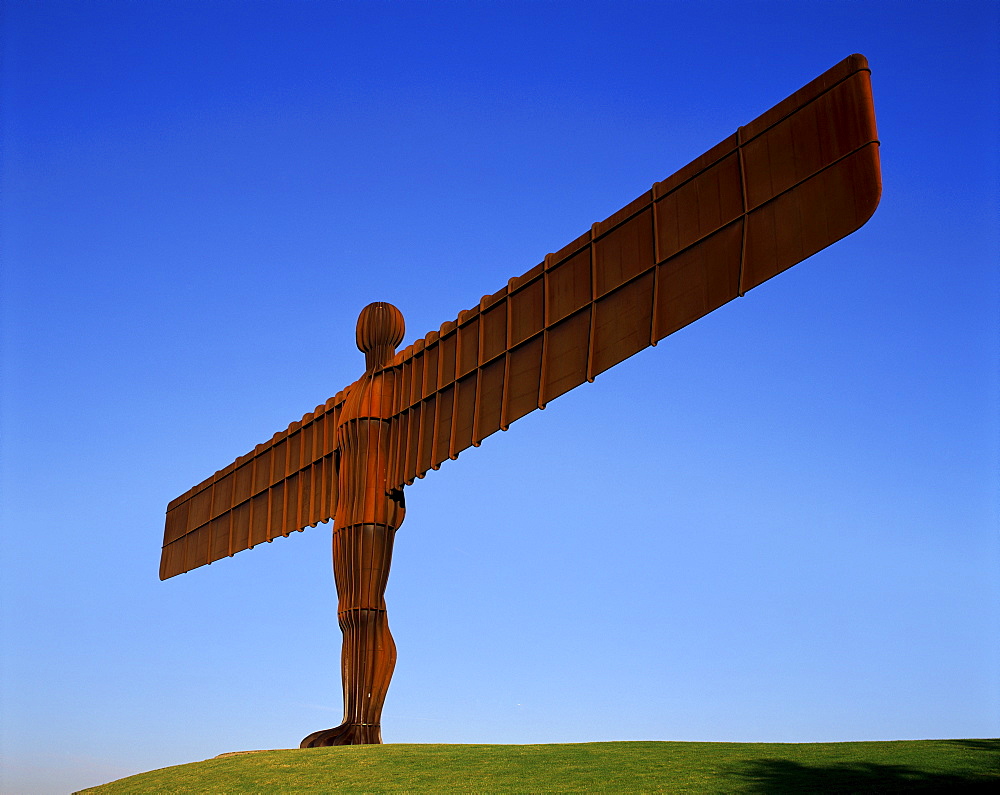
point(564, 357)
point(262, 469)
point(276, 511)
point(624, 252)
point(493, 339)
point(177, 522)
point(259, 511)
point(468, 343)
point(524, 365)
point(447, 358)
point(240, 532)
point(568, 286)
point(196, 553)
point(222, 494)
point(464, 415)
point(172, 559)
point(290, 514)
point(696, 208)
point(820, 211)
point(443, 425)
point(427, 433)
point(623, 323)
point(701, 278)
point(219, 536)
point(430, 370)
point(417, 377)
point(243, 483)
point(527, 311)
point(412, 424)
point(201, 507)
point(489, 398)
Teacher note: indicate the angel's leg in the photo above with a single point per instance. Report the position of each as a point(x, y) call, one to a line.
point(362, 555)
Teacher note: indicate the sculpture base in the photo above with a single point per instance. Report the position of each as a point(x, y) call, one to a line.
point(345, 734)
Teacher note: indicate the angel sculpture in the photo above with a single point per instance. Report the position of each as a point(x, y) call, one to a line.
point(793, 181)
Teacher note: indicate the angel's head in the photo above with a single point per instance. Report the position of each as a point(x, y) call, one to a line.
point(380, 330)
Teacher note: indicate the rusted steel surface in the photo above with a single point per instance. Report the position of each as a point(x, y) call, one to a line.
point(793, 181)
point(365, 521)
point(287, 483)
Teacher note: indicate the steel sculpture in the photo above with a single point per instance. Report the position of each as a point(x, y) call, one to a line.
point(793, 181)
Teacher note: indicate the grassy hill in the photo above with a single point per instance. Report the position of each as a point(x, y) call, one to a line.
point(872, 767)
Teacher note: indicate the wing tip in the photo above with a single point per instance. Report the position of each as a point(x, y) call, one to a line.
point(856, 62)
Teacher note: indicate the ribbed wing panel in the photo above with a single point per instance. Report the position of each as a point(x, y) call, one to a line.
point(793, 181)
point(285, 484)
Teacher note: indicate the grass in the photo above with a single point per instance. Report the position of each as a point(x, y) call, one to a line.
point(871, 767)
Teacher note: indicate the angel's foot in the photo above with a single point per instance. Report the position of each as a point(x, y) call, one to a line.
point(345, 734)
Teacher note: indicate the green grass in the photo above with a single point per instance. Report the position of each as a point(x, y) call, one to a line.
point(875, 767)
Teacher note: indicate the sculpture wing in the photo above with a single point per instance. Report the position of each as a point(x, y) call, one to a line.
point(796, 179)
point(287, 483)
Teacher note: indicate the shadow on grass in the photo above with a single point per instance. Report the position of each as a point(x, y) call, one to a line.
point(993, 746)
point(780, 775)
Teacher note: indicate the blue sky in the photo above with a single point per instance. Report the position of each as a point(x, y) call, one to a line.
point(778, 525)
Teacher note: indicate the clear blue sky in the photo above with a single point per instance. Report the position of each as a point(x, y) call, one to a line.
point(778, 525)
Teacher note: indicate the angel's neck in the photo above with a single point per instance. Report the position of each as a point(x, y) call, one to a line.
point(378, 357)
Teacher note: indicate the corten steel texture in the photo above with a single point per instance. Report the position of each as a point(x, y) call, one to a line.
point(365, 521)
point(791, 182)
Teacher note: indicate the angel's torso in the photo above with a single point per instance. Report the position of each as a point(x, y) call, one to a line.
point(362, 437)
